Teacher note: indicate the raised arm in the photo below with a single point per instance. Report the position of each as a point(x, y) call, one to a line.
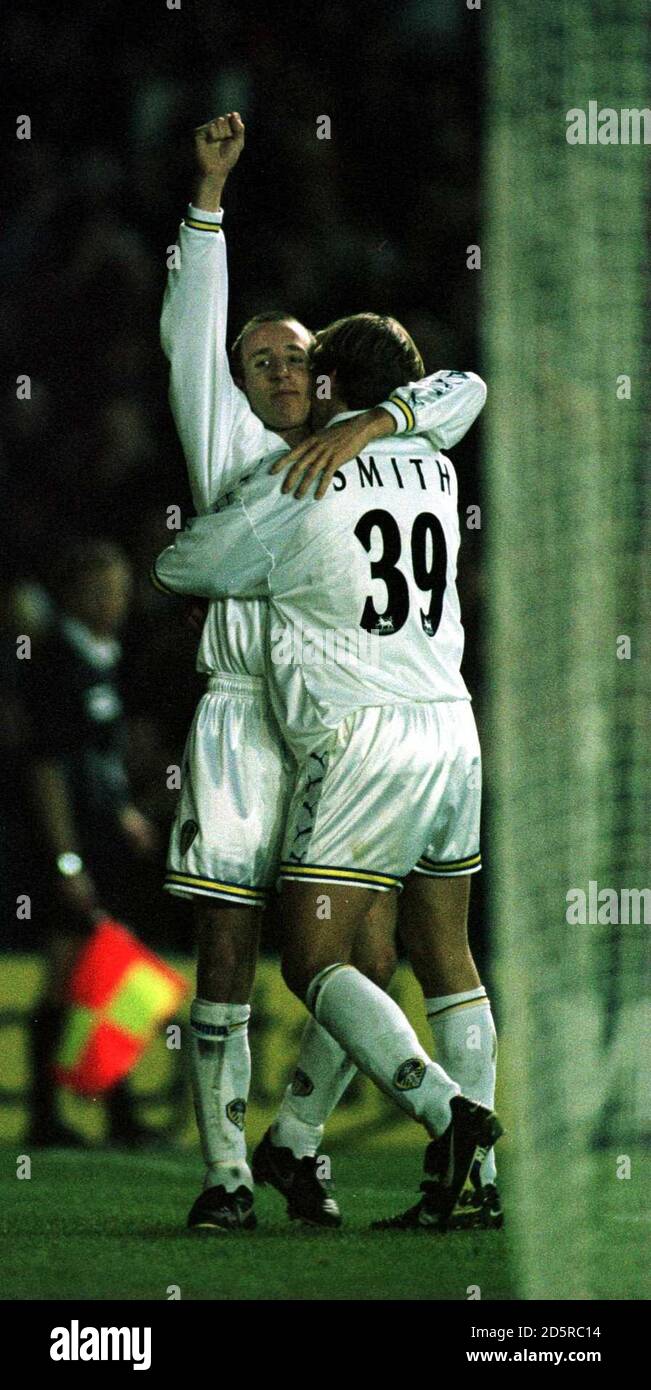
point(442, 407)
point(218, 431)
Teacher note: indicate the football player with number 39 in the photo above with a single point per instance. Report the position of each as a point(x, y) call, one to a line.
point(237, 774)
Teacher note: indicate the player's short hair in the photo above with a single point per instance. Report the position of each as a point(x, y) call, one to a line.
point(79, 558)
point(271, 316)
point(372, 355)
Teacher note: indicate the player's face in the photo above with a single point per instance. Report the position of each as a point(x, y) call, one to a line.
point(102, 602)
point(276, 374)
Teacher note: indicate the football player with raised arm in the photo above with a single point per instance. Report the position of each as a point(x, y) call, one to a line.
point(237, 774)
point(387, 789)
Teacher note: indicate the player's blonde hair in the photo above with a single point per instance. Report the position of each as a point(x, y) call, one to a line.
point(272, 316)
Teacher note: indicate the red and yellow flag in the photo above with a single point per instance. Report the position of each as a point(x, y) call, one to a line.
point(119, 994)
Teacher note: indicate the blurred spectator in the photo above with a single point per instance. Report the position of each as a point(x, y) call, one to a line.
point(85, 818)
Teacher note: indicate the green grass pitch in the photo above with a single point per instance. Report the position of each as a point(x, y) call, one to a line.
point(106, 1225)
point(111, 1226)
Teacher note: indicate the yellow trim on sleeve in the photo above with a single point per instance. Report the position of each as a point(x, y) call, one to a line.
point(406, 409)
point(202, 226)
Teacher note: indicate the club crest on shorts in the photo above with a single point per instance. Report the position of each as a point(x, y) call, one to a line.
point(236, 1111)
point(409, 1074)
point(301, 1084)
point(189, 830)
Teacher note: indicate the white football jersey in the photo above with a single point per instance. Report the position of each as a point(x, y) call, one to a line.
point(219, 434)
point(361, 585)
point(223, 440)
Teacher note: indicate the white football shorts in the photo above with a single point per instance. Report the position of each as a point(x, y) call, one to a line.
point(236, 783)
point(397, 789)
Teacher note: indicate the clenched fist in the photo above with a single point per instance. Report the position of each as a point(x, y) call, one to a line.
point(218, 146)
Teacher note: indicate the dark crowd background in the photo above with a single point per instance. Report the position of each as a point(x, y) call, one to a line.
point(378, 217)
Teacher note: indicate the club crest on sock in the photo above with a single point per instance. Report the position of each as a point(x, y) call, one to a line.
point(236, 1112)
point(409, 1074)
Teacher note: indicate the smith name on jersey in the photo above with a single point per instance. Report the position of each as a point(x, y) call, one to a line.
point(221, 437)
point(375, 559)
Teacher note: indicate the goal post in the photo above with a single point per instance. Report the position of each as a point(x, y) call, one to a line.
point(567, 499)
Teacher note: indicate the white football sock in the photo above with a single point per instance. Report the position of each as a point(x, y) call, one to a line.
point(221, 1075)
point(323, 1072)
point(376, 1034)
point(465, 1043)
